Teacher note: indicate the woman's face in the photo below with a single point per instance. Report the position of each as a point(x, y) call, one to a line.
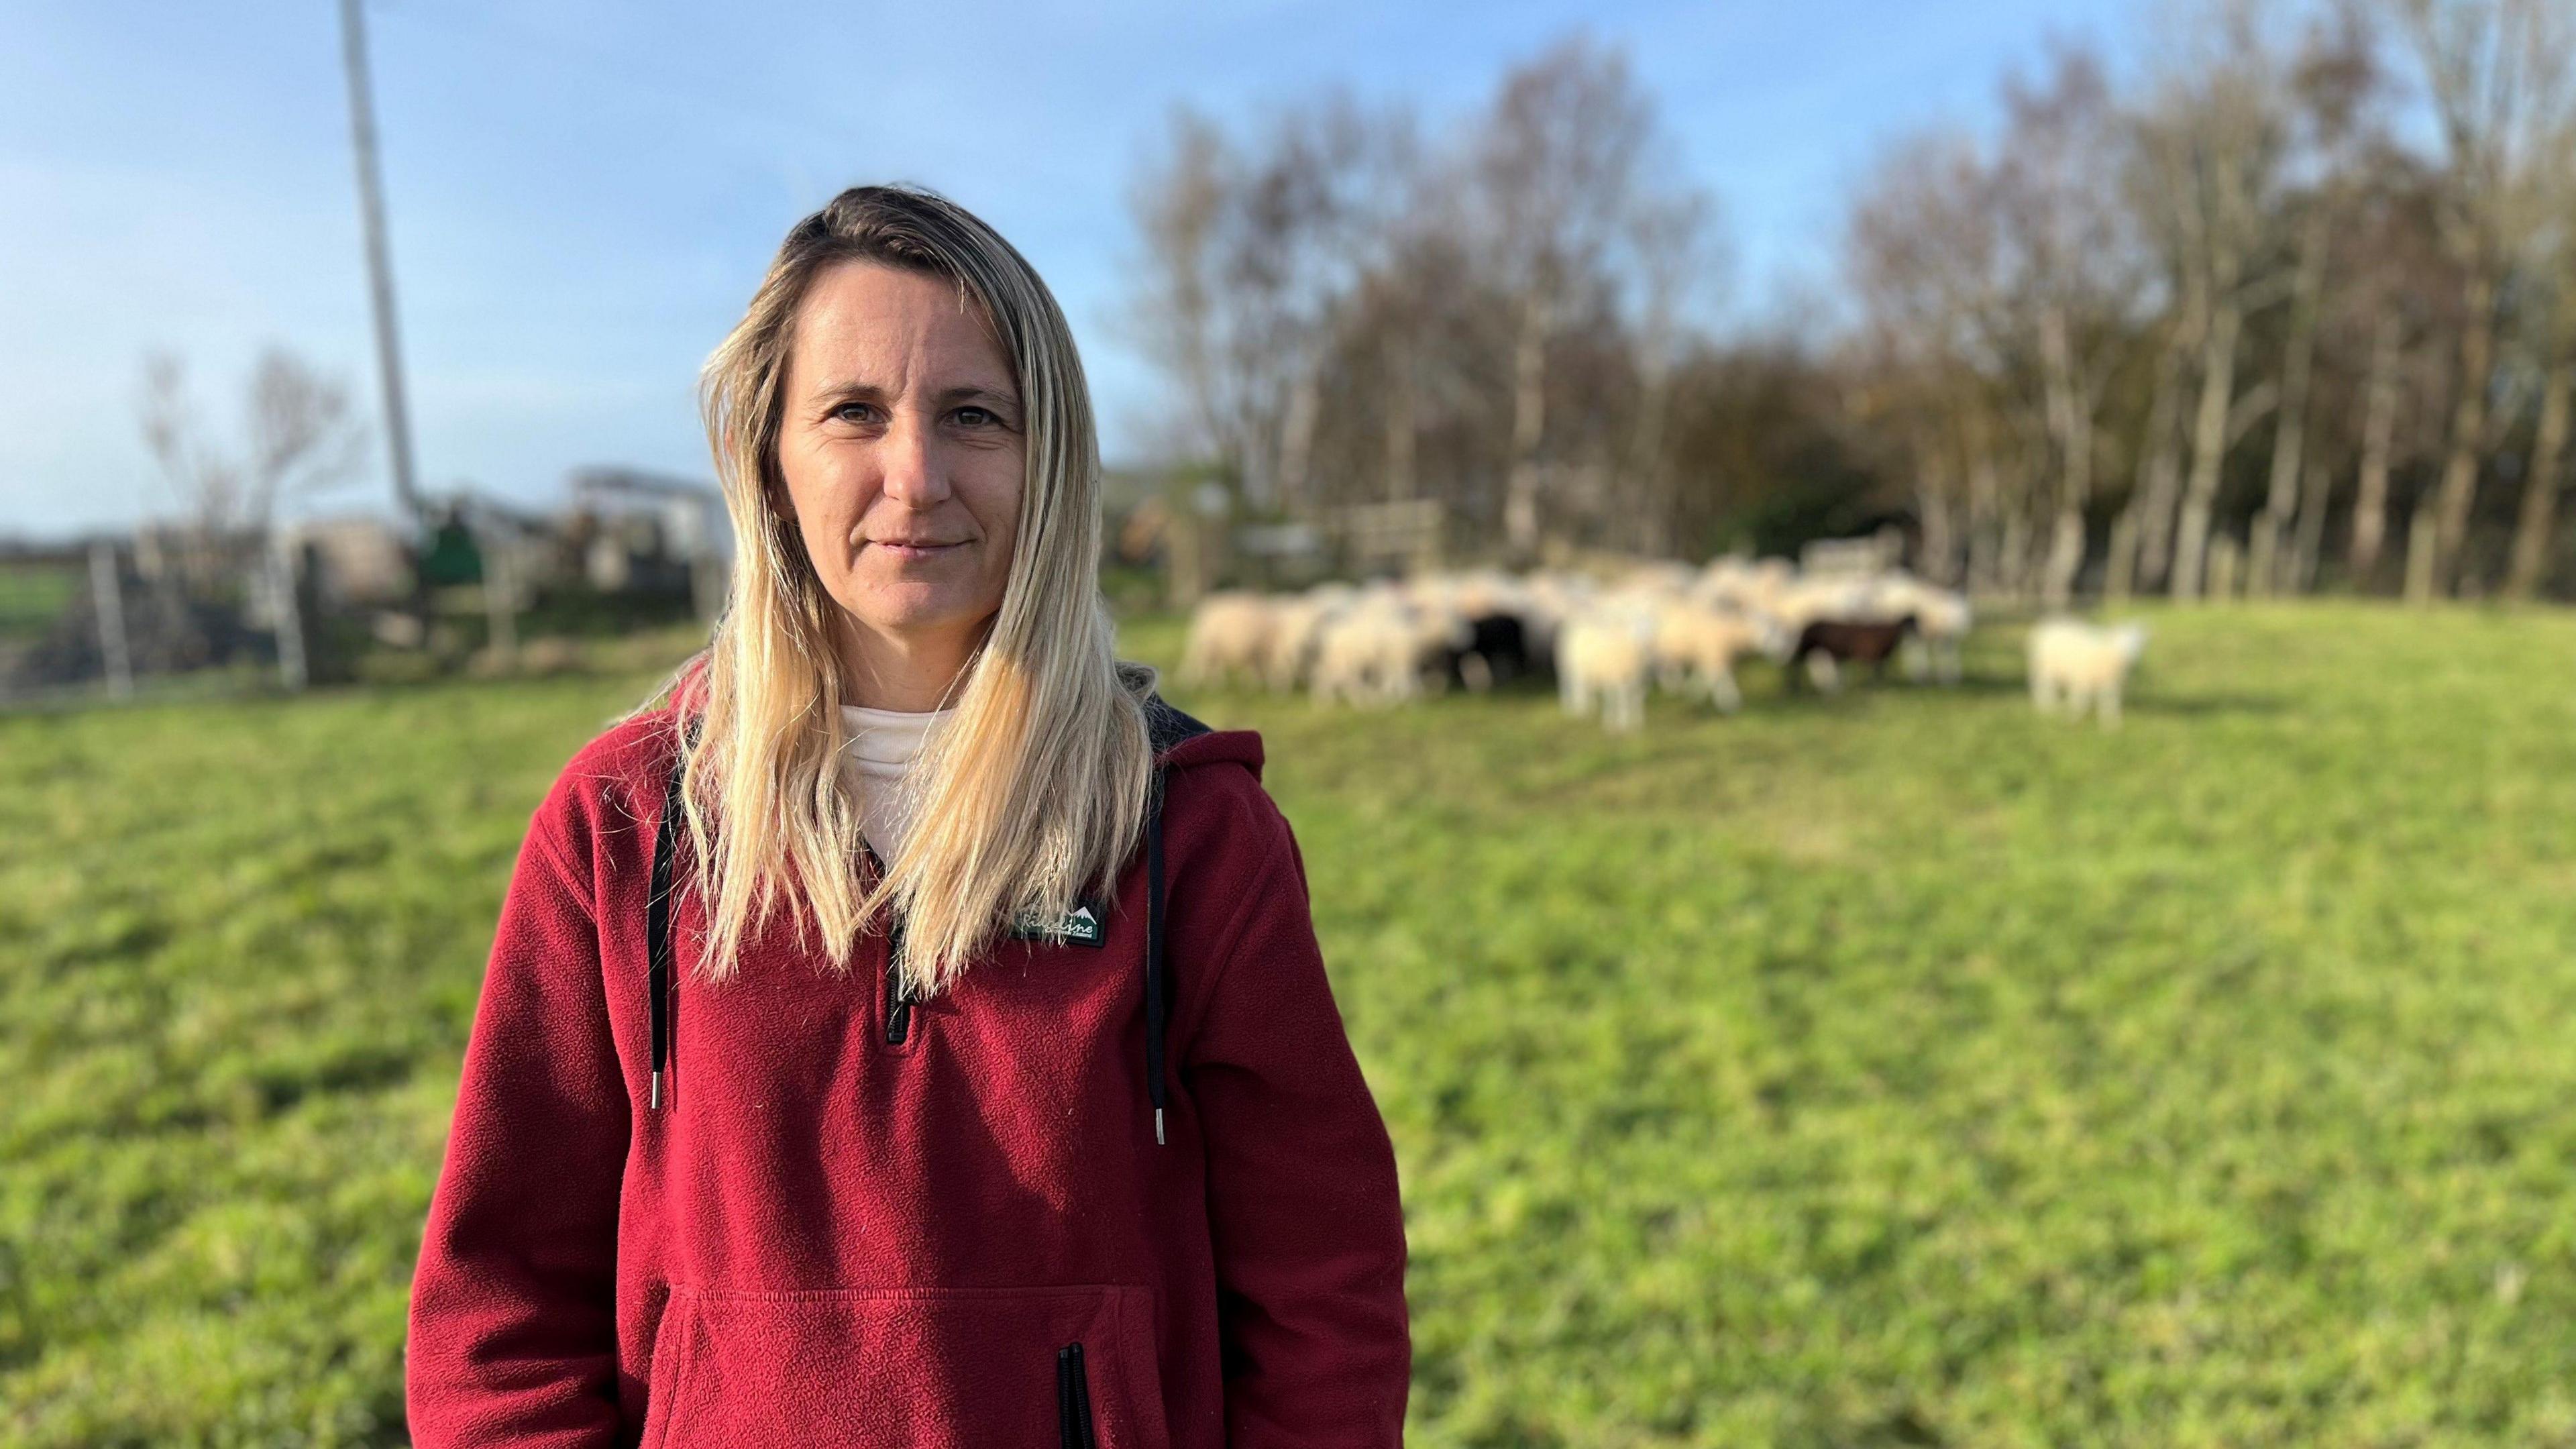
point(903, 448)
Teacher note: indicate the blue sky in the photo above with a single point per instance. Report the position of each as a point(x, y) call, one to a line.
point(583, 193)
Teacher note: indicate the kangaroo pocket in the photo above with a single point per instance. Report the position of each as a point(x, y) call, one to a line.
point(947, 1367)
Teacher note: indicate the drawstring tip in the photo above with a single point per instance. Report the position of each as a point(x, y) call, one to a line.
point(656, 1096)
point(1158, 1126)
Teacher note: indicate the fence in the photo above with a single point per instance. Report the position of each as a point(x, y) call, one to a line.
point(165, 610)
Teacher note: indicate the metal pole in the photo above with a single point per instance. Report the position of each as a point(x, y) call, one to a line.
point(380, 267)
point(110, 597)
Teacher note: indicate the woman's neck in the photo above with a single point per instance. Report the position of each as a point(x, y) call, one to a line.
point(903, 671)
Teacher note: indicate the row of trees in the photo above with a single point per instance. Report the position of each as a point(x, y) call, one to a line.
point(1494, 319)
point(2293, 305)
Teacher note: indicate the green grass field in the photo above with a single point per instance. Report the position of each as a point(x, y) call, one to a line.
point(1895, 1069)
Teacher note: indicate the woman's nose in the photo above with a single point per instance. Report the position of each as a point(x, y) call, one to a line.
point(914, 473)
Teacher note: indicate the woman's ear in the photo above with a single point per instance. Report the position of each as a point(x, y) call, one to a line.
point(773, 488)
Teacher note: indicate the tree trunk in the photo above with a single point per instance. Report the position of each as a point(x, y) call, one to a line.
point(1297, 441)
point(2016, 545)
point(2458, 494)
point(2226, 561)
point(2159, 487)
point(2378, 428)
point(2075, 462)
point(2420, 533)
point(2120, 571)
point(1932, 501)
point(1529, 422)
point(1984, 490)
point(2267, 569)
point(1653, 503)
point(1400, 425)
point(2318, 497)
point(2536, 529)
point(2208, 448)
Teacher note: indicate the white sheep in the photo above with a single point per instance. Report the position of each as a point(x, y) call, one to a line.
point(1746, 584)
point(1297, 626)
point(1229, 634)
point(2075, 664)
point(1375, 652)
point(1696, 647)
point(1607, 654)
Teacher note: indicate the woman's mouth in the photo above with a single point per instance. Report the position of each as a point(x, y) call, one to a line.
point(912, 549)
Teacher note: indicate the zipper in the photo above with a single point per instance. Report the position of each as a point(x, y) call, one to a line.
point(1073, 1399)
point(898, 1000)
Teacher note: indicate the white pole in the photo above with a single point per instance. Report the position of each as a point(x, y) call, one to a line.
point(110, 597)
point(290, 616)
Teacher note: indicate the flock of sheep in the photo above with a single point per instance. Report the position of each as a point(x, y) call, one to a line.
point(1608, 642)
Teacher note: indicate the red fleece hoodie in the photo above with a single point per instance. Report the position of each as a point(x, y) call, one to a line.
point(857, 1220)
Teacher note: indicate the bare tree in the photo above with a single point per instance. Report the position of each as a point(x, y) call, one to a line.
point(2553, 344)
point(2211, 141)
point(1556, 174)
point(2072, 277)
point(2537, 526)
point(1670, 241)
point(1179, 202)
point(2332, 83)
point(299, 437)
point(2497, 73)
point(302, 436)
point(1252, 252)
point(208, 485)
point(1922, 253)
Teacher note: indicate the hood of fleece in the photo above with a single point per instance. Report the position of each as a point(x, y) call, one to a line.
point(1214, 747)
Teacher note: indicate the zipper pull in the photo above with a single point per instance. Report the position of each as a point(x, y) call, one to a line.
point(898, 1001)
point(898, 998)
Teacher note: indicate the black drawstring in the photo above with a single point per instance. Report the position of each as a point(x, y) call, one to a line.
point(1156, 1007)
point(657, 919)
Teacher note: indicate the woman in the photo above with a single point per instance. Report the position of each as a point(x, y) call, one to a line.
point(1006, 1107)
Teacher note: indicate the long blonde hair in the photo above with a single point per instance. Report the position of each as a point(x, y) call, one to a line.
point(1033, 793)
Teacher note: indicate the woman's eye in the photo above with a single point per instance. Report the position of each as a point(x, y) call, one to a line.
point(975, 417)
point(854, 412)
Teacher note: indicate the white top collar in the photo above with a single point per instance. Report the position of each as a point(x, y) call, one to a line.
point(883, 743)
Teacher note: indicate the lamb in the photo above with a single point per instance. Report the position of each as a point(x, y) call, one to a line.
point(1942, 620)
point(1825, 645)
point(1752, 585)
point(2075, 663)
point(1805, 601)
point(1606, 654)
point(1496, 651)
point(1229, 634)
point(1375, 653)
point(1297, 626)
point(1696, 648)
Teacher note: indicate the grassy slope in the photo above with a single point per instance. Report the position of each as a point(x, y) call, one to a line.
point(1901, 1068)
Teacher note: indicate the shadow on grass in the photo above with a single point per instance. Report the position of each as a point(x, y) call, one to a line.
point(2194, 706)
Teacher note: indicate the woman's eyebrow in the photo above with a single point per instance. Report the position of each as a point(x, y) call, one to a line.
point(976, 392)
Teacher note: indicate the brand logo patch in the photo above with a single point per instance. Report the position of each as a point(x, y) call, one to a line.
point(1081, 926)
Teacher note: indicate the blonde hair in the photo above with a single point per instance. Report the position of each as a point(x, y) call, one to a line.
point(1032, 795)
